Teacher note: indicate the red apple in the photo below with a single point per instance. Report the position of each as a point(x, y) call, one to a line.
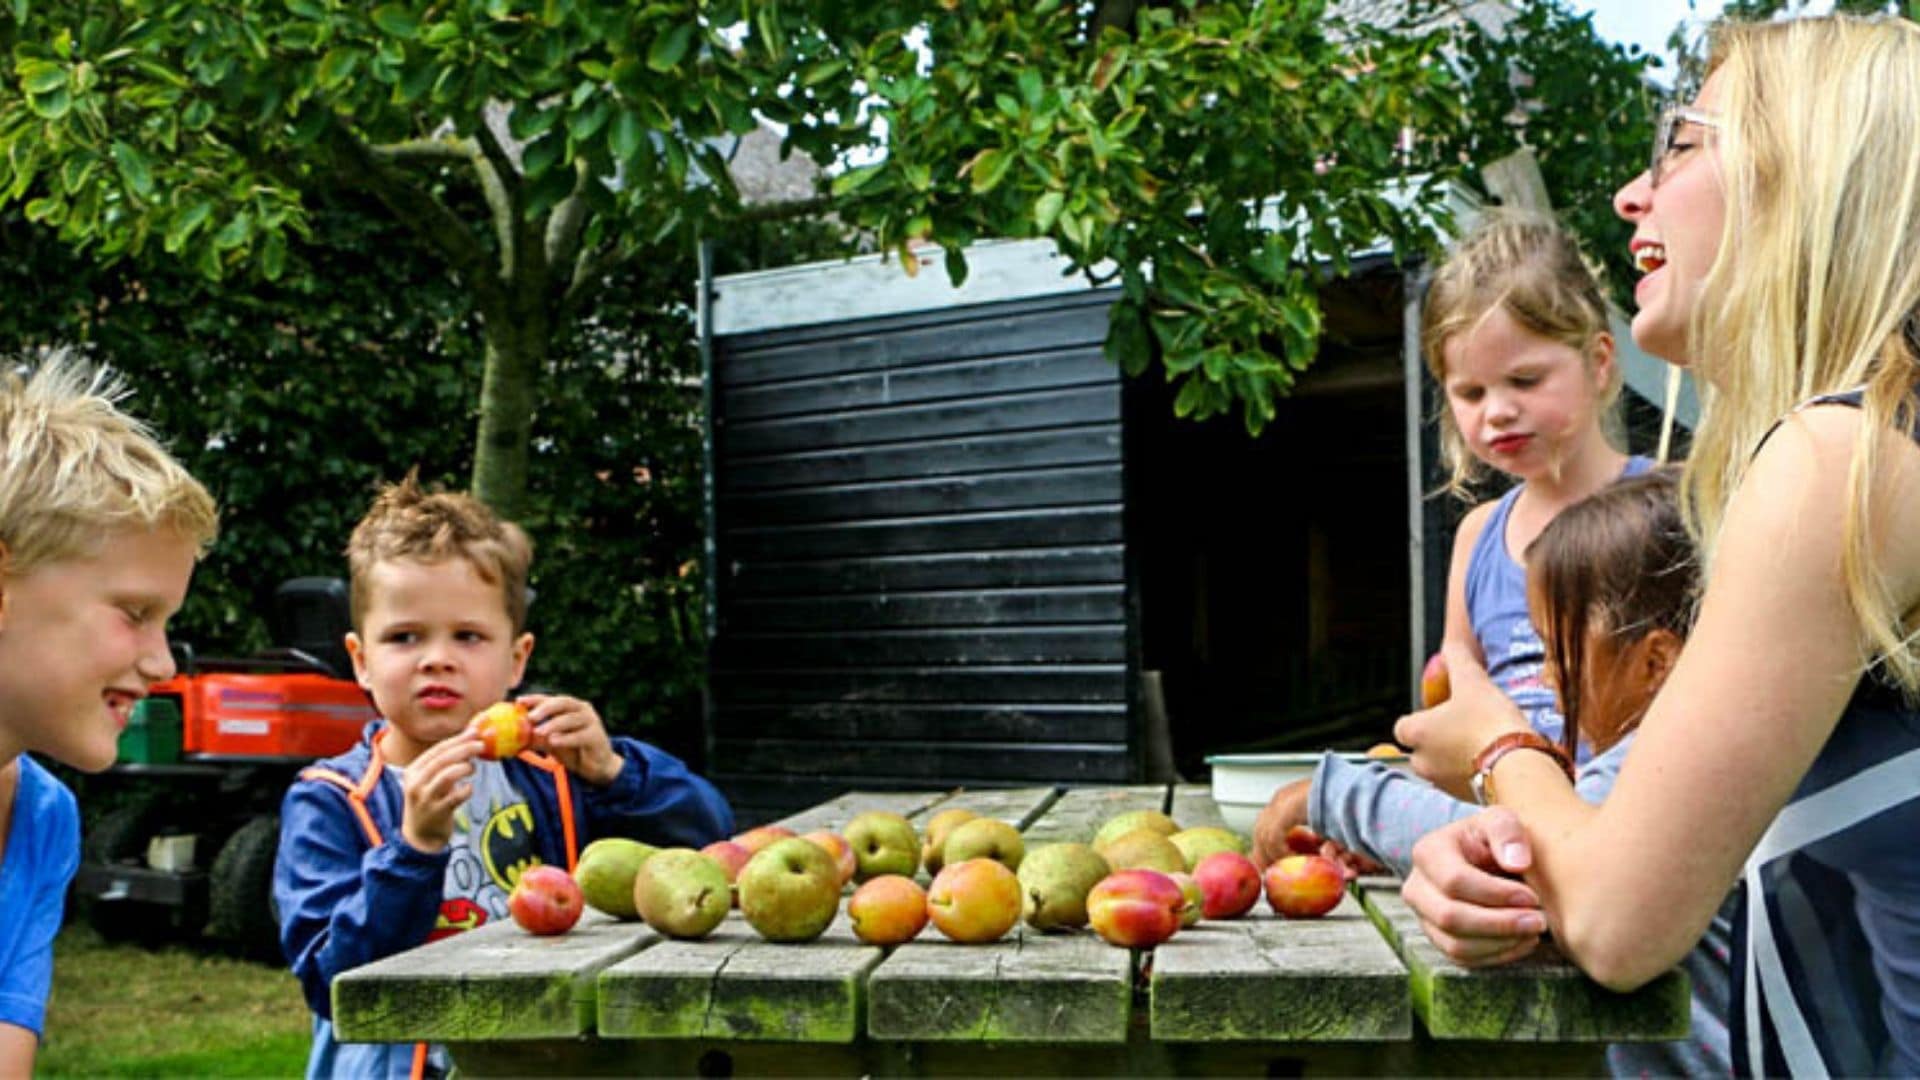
point(888, 910)
point(835, 845)
point(974, 901)
point(1229, 884)
point(546, 900)
point(755, 839)
point(731, 857)
point(1305, 886)
point(1302, 840)
point(1435, 687)
point(504, 730)
point(1136, 909)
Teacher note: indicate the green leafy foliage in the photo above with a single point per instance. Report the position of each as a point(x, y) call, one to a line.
point(294, 401)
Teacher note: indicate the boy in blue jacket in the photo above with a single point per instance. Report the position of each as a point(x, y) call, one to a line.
point(411, 836)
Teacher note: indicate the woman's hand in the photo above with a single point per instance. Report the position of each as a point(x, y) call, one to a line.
point(1446, 738)
point(1463, 889)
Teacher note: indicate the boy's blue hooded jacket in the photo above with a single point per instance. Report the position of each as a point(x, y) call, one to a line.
point(344, 902)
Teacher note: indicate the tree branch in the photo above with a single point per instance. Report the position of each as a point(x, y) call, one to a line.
point(426, 216)
point(588, 268)
point(564, 224)
point(446, 151)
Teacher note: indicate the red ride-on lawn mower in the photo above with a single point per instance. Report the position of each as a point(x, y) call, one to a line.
point(206, 758)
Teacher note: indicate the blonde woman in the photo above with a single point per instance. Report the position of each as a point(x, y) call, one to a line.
point(1779, 230)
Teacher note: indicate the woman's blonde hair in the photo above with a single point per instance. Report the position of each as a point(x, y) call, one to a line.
point(1816, 288)
point(1529, 266)
point(73, 467)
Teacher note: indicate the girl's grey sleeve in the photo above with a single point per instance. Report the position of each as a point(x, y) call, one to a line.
point(1380, 812)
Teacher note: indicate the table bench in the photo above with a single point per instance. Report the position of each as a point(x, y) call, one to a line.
point(1359, 991)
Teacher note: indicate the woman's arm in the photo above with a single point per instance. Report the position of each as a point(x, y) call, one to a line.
point(1771, 663)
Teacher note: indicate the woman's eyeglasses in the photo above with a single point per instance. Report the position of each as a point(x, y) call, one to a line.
point(1665, 148)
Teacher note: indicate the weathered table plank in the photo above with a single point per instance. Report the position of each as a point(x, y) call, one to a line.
point(496, 982)
point(734, 985)
point(1541, 998)
point(1079, 812)
point(1193, 807)
point(1267, 978)
point(1015, 806)
point(1028, 987)
point(836, 813)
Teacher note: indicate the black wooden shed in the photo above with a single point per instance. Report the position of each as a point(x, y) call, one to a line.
point(951, 545)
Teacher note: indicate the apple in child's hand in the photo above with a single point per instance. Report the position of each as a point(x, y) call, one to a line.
point(504, 730)
point(1302, 840)
point(1136, 909)
point(1435, 687)
point(1305, 886)
point(888, 910)
point(1229, 884)
point(546, 900)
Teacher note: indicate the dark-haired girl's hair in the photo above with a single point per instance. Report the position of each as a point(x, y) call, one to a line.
point(1620, 560)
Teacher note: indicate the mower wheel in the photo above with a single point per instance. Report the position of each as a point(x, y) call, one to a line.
point(121, 836)
point(242, 890)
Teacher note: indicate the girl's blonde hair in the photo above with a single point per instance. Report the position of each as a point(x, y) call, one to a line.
point(73, 467)
point(1816, 288)
point(1530, 267)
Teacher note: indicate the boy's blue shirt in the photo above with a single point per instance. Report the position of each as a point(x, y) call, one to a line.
point(344, 903)
point(43, 851)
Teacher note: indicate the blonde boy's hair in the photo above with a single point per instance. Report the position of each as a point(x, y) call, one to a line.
point(1816, 287)
point(409, 522)
point(1530, 267)
point(73, 467)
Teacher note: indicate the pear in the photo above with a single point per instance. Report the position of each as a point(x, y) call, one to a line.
point(984, 838)
point(1198, 843)
point(938, 827)
point(1121, 824)
point(682, 893)
point(606, 871)
point(1144, 849)
point(1054, 882)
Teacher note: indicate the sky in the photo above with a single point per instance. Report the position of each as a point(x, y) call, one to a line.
point(1645, 23)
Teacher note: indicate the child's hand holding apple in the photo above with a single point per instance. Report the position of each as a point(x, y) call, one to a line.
point(571, 731)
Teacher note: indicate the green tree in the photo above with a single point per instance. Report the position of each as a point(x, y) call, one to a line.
point(534, 147)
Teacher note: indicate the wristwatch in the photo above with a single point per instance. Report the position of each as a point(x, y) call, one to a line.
point(1485, 760)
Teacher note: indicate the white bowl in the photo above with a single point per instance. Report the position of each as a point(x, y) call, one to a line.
point(1242, 783)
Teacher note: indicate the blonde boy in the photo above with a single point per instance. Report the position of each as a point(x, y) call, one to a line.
point(411, 835)
point(99, 530)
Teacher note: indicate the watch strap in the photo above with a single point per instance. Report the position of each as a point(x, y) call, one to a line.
point(1486, 759)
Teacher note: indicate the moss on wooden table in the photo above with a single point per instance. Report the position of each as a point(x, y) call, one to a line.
point(1541, 998)
point(734, 985)
point(496, 982)
point(1271, 979)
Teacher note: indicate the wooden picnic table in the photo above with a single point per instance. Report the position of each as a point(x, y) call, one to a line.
point(1359, 991)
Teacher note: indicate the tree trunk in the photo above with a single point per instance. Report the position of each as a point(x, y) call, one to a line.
point(516, 350)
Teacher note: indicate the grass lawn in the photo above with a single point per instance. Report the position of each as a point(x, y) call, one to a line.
point(123, 1010)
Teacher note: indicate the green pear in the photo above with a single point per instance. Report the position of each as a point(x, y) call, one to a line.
point(984, 838)
point(1121, 824)
point(606, 871)
point(883, 843)
point(938, 827)
point(1198, 843)
point(682, 893)
point(1144, 849)
point(1054, 882)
